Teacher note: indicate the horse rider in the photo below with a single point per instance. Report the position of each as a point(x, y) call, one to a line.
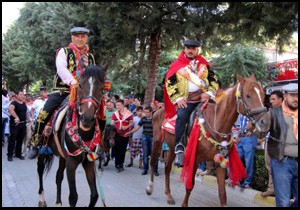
point(70, 63)
point(189, 81)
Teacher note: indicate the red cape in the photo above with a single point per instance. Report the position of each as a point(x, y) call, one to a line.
point(181, 62)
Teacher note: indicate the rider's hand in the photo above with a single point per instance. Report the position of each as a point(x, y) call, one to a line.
point(182, 103)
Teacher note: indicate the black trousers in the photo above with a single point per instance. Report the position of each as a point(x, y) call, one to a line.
point(52, 103)
point(120, 149)
point(15, 141)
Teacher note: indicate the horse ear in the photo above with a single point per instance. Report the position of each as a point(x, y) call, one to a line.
point(104, 67)
point(240, 79)
point(253, 77)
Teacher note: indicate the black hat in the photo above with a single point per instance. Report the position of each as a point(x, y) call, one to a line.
point(79, 30)
point(43, 88)
point(190, 42)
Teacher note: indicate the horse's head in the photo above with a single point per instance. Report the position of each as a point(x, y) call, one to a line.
point(250, 97)
point(109, 135)
point(89, 95)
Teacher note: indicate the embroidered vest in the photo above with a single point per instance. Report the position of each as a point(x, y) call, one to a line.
point(58, 84)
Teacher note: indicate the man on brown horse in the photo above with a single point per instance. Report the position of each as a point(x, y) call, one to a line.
point(189, 80)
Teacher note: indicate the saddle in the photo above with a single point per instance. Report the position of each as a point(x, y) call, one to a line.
point(56, 119)
point(169, 124)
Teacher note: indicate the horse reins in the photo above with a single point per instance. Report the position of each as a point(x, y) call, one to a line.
point(249, 112)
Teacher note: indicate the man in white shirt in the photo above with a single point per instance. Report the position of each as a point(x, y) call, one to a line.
point(39, 103)
point(70, 61)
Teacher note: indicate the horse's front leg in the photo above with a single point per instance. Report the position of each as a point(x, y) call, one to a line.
point(154, 155)
point(221, 172)
point(168, 168)
point(71, 166)
point(89, 168)
point(40, 170)
point(107, 158)
point(59, 179)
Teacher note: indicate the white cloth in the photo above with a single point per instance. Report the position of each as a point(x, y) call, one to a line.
point(37, 105)
point(139, 132)
point(5, 106)
point(62, 70)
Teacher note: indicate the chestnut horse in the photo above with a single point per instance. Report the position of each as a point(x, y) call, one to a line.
point(76, 139)
point(246, 97)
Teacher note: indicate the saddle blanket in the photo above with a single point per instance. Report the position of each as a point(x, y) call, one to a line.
point(169, 124)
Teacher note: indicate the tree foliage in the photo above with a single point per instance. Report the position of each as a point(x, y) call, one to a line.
point(242, 60)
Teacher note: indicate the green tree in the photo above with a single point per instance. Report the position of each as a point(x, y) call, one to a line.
point(242, 60)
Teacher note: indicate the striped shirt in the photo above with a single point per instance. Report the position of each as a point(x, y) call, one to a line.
point(147, 126)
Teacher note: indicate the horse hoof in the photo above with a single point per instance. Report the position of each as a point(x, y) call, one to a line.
point(105, 164)
point(42, 204)
point(170, 201)
point(148, 191)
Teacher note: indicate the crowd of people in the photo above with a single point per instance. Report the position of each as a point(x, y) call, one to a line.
point(189, 81)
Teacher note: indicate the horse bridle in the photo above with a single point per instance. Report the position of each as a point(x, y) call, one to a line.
point(248, 111)
point(87, 99)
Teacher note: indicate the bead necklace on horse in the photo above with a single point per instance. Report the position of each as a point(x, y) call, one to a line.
point(211, 139)
point(76, 139)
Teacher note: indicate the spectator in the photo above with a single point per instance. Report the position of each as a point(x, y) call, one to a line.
point(283, 147)
point(39, 103)
point(131, 104)
point(154, 105)
point(246, 146)
point(276, 98)
point(110, 109)
point(147, 139)
point(5, 113)
point(123, 120)
point(18, 116)
point(136, 142)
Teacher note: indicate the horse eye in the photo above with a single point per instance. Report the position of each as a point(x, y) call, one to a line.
point(248, 96)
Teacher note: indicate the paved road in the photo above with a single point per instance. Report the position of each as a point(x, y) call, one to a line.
point(20, 186)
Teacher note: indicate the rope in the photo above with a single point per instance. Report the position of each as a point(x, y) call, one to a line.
point(100, 188)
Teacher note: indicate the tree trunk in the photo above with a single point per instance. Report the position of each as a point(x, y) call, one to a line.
point(152, 71)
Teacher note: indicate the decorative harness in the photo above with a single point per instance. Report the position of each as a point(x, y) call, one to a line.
point(72, 130)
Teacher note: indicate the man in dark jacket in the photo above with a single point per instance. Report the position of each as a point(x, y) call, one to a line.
point(283, 147)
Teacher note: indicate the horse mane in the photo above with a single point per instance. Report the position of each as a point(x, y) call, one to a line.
point(94, 71)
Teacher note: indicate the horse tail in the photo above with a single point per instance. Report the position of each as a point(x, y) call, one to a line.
point(48, 161)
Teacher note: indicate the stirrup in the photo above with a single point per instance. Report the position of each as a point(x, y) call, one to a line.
point(179, 148)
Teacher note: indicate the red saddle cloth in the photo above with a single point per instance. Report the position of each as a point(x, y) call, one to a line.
point(169, 124)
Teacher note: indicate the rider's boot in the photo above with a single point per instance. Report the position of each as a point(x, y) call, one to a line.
point(179, 152)
point(34, 151)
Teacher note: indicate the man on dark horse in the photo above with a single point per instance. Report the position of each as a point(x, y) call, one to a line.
point(70, 62)
point(189, 81)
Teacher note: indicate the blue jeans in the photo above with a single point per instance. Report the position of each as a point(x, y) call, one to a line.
point(285, 180)
point(246, 149)
point(147, 141)
point(183, 116)
point(202, 165)
point(4, 122)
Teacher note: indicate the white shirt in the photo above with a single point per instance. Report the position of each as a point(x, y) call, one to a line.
point(5, 106)
point(37, 105)
point(62, 70)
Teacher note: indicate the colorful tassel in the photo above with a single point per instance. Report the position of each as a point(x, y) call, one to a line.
point(218, 158)
point(91, 156)
point(224, 163)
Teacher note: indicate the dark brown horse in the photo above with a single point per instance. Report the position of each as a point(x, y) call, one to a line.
point(246, 97)
point(108, 142)
point(75, 140)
